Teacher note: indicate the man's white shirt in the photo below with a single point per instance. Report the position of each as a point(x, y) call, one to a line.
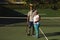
point(30, 14)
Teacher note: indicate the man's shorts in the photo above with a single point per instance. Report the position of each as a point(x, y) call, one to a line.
point(30, 24)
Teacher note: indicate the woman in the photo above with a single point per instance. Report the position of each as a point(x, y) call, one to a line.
point(36, 22)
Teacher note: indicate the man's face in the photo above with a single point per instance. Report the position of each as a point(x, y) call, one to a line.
point(30, 8)
point(31, 5)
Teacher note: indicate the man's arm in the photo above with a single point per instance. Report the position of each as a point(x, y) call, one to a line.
point(27, 24)
point(28, 17)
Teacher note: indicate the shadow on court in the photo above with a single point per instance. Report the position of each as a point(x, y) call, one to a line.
point(7, 21)
point(53, 39)
point(6, 12)
point(51, 34)
point(2, 1)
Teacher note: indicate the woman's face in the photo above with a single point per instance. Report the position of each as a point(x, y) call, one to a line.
point(35, 13)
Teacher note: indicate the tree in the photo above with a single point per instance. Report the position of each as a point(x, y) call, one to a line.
point(55, 4)
point(34, 2)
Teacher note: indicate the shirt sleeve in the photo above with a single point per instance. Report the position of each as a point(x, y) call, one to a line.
point(37, 17)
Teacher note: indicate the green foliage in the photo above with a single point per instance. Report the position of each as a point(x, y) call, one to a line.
point(42, 4)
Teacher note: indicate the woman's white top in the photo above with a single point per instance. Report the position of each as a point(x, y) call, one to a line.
point(35, 18)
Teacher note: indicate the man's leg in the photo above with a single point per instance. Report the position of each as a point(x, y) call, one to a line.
point(32, 28)
point(29, 29)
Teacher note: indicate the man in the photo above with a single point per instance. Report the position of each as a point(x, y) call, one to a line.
point(30, 21)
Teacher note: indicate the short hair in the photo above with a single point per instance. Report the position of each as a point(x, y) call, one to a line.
point(31, 4)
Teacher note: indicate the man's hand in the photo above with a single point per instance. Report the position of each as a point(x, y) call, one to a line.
point(36, 21)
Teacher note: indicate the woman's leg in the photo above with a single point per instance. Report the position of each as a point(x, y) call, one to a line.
point(36, 26)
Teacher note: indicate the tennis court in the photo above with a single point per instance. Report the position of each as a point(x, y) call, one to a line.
point(13, 25)
point(17, 31)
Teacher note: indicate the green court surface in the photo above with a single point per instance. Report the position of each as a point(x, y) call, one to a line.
point(16, 31)
point(43, 12)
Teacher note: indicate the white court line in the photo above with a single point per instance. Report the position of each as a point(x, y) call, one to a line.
point(50, 17)
point(43, 34)
point(12, 17)
point(26, 17)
